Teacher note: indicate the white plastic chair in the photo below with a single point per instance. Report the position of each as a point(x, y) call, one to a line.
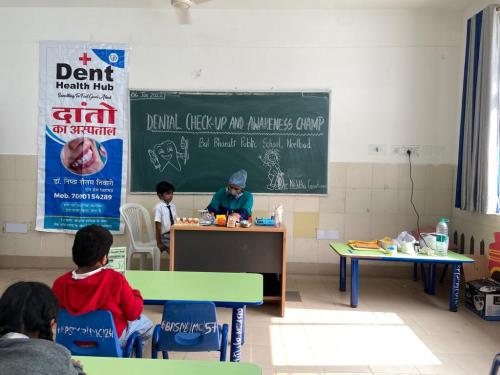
point(138, 224)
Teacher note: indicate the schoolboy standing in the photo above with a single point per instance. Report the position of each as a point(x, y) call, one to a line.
point(164, 214)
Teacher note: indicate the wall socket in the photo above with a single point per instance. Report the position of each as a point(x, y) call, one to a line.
point(377, 149)
point(16, 228)
point(327, 234)
point(402, 150)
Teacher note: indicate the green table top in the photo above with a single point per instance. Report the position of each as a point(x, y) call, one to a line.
point(344, 250)
point(244, 288)
point(134, 366)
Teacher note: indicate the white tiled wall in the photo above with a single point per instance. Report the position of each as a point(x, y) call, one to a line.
point(365, 201)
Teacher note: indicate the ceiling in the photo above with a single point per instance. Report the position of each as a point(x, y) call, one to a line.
point(249, 4)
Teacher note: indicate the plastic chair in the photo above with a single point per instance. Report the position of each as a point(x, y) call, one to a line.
point(138, 224)
point(189, 326)
point(495, 364)
point(94, 334)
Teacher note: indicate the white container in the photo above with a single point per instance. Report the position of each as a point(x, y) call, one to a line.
point(408, 248)
point(391, 250)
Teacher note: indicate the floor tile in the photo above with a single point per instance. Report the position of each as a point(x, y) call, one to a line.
point(397, 329)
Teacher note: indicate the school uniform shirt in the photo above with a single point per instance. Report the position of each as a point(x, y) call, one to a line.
point(162, 215)
point(102, 289)
point(225, 204)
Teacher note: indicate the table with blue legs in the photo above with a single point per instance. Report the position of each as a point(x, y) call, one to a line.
point(453, 259)
point(233, 290)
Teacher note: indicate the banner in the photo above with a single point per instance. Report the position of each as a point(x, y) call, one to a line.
point(82, 137)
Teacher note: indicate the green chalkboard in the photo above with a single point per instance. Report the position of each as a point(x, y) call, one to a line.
point(197, 140)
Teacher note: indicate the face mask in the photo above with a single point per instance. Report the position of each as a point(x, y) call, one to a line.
point(234, 192)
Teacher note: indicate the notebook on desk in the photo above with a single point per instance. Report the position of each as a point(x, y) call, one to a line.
point(365, 246)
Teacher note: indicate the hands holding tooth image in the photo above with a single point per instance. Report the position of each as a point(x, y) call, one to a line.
point(84, 156)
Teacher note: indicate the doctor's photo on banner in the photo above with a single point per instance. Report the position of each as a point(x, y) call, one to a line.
point(82, 136)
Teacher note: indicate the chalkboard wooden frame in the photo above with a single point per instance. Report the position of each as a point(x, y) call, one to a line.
point(308, 110)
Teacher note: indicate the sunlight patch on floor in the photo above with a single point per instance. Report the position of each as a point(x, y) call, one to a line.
point(313, 337)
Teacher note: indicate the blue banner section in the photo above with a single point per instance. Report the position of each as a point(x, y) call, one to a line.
point(83, 183)
point(113, 57)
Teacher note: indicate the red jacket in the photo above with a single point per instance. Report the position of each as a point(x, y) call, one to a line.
point(105, 290)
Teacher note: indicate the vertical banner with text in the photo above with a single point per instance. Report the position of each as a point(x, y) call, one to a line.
point(82, 135)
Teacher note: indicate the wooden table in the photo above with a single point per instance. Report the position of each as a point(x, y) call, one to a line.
point(134, 366)
point(454, 259)
point(256, 249)
point(233, 290)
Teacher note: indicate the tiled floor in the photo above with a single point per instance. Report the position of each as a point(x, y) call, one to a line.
point(397, 329)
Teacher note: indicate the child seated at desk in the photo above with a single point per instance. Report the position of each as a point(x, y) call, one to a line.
point(27, 319)
point(92, 287)
point(165, 214)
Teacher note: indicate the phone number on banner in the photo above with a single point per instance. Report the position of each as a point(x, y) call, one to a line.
point(104, 197)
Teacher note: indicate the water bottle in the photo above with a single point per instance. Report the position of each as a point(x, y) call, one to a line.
point(442, 239)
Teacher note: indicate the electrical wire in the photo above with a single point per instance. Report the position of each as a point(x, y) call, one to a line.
point(408, 152)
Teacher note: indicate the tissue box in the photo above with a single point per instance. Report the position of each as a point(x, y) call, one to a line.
point(265, 221)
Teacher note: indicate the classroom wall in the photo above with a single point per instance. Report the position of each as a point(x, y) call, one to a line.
point(393, 75)
point(480, 227)
point(365, 201)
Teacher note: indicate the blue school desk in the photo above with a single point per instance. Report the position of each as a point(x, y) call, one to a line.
point(453, 259)
point(233, 290)
point(133, 366)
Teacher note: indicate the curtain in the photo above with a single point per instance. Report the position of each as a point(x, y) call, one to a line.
point(478, 156)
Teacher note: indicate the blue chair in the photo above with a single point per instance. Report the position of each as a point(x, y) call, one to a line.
point(189, 326)
point(94, 334)
point(495, 364)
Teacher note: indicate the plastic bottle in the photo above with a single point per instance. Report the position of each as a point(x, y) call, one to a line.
point(442, 239)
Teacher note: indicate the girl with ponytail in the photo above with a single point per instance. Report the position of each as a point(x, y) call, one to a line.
point(27, 318)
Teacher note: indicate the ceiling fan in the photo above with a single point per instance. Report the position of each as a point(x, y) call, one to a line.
point(182, 9)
